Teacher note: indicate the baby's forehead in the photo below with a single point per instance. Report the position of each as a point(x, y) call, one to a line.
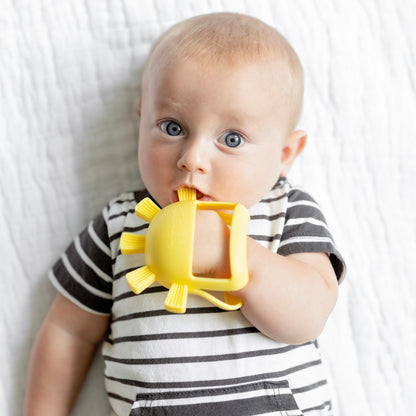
point(212, 40)
point(175, 73)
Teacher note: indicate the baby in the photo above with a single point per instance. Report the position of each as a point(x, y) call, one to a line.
point(221, 97)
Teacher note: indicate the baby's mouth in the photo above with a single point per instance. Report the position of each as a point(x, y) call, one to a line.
point(199, 196)
point(202, 197)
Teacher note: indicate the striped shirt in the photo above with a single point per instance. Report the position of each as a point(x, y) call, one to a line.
point(206, 361)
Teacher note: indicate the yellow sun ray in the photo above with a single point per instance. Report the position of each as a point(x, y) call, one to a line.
point(177, 298)
point(187, 194)
point(140, 279)
point(146, 209)
point(132, 243)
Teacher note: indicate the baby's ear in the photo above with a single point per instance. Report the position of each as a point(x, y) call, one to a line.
point(294, 144)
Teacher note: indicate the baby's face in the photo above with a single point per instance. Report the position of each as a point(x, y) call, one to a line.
point(220, 130)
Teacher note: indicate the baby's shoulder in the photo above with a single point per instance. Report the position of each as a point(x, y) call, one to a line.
point(125, 201)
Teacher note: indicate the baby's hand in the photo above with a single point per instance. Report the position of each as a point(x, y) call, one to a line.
point(211, 246)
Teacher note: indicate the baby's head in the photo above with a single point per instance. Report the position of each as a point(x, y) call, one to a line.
point(221, 97)
point(231, 40)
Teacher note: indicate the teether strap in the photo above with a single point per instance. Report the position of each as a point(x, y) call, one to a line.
point(235, 302)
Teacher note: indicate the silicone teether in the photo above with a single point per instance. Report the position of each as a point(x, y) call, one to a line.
point(168, 248)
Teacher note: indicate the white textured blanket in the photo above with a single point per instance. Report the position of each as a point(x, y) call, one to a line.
point(68, 131)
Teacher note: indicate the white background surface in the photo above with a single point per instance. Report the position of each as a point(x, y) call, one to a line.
point(69, 74)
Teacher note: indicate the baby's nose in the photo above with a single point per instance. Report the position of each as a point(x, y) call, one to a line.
point(195, 157)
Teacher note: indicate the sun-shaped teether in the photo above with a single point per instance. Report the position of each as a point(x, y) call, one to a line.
point(168, 249)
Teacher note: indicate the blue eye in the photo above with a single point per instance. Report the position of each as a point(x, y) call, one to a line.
point(231, 139)
point(171, 128)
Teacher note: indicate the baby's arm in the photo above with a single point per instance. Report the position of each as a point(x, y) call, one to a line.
point(288, 298)
point(61, 357)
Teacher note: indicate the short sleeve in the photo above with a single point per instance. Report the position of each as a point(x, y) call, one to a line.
point(306, 231)
point(83, 274)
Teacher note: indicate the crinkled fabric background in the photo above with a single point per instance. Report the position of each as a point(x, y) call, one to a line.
point(69, 79)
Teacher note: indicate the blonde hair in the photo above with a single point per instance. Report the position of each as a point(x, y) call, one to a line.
point(231, 38)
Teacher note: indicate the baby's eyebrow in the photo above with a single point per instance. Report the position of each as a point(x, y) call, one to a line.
point(239, 117)
point(168, 104)
point(242, 120)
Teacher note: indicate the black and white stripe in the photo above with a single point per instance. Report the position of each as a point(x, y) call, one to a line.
point(206, 360)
